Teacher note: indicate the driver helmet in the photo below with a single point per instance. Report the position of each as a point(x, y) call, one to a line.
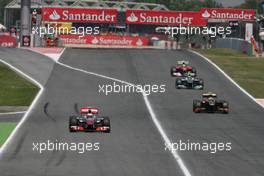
point(89, 113)
point(189, 74)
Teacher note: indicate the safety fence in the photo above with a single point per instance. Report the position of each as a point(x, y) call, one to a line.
point(234, 43)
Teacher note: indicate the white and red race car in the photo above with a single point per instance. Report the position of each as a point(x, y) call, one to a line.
point(183, 69)
point(89, 121)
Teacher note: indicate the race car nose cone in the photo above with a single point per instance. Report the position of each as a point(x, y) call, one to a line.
point(90, 122)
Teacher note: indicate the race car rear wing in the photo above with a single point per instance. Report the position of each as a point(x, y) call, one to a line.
point(89, 110)
point(183, 62)
point(209, 95)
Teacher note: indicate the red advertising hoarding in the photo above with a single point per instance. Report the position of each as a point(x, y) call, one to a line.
point(228, 14)
point(7, 41)
point(79, 15)
point(104, 40)
point(171, 18)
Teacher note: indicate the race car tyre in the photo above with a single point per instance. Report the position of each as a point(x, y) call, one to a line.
point(224, 104)
point(173, 69)
point(196, 106)
point(202, 87)
point(106, 122)
point(226, 112)
point(177, 83)
point(202, 84)
point(72, 122)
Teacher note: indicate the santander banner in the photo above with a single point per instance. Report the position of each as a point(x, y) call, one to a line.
point(7, 41)
point(172, 18)
point(105, 40)
point(228, 14)
point(79, 15)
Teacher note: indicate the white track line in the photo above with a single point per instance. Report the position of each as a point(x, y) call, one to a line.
point(260, 101)
point(228, 77)
point(11, 113)
point(174, 153)
point(33, 104)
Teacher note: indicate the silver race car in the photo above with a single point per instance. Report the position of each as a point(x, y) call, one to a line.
point(189, 83)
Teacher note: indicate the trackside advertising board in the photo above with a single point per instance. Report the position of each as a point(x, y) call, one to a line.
point(7, 40)
point(172, 18)
point(228, 14)
point(104, 40)
point(79, 15)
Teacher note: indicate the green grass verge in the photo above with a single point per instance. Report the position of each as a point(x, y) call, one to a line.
point(5, 131)
point(245, 70)
point(15, 90)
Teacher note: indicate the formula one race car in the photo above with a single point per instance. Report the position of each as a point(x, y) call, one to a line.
point(182, 68)
point(189, 83)
point(89, 121)
point(210, 104)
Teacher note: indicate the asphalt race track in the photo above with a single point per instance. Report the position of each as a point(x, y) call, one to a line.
point(135, 146)
point(33, 64)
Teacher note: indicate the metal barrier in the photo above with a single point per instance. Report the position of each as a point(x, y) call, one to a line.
point(236, 44)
